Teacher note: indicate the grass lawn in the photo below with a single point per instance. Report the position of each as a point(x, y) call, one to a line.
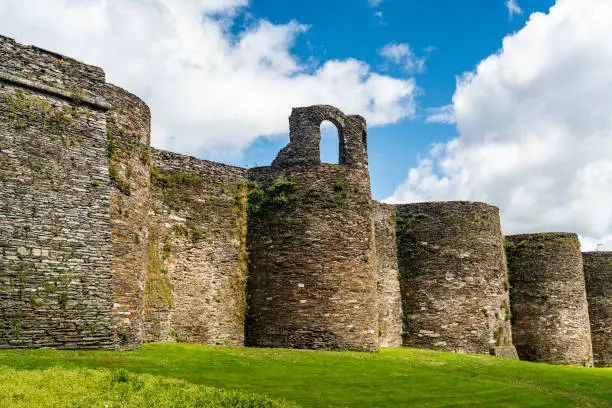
point(391, 378)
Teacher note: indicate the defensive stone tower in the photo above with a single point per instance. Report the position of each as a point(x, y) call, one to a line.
point(598, 277)
point(312, 278)
point(76, 154)
point(549, 305)
point(453, 278)
point(389, 297)
point(56, 286)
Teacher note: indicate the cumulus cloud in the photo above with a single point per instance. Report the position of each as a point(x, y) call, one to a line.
point(535, 129)
point(444, 114)
point(513, 8)
point(403, 56)
point(375, 3)
point(212, 91)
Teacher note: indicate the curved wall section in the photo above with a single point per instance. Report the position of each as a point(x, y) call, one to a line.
point(549, 306)
point(128, 125)
point(312, 278)
point(598, 279)
point(389, 297)
point(196, 265)
point(453, 278)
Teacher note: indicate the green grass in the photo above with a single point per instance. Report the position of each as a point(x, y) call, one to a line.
point(391, 378)
point(81, 387)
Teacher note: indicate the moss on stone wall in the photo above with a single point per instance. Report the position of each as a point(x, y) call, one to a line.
point(54, 120)
point(122, 147)
point(158, 290)
point(174, 180)
point(28, 110)
point(238, 284)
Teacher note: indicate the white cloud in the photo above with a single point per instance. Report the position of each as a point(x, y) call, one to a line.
point(375, 3)
point(403, 56)
point(444, 114)
point(379, 15)
point(513, 8)
point(210, 91)
point(535, 129)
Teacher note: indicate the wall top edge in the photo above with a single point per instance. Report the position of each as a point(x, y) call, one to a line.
point(15, 80)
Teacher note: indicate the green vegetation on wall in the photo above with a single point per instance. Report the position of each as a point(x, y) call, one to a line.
point(173, 180)
point(238, 285)
point(158, 289)
point(123, 145)
point(27, 110)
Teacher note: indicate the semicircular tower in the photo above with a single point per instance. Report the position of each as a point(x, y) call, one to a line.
point(312, 278)
point(453, 278)
point(128, 125)
point(598, 279)
point(550, 321)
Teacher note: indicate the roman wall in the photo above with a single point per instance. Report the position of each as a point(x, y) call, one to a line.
point(598, 279)
point(453, 278)
point(389, 297)
point(550, 320)
point(106, 243)
point(312, 278)
point(56, 286)
point(196, 251)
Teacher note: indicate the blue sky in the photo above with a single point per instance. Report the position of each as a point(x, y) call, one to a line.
point(463, 33)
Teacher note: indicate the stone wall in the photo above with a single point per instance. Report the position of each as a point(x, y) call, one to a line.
point(598, 278)
point(312, 278)
point(549, 307)
point(389, 297)
point(453, 277)
point(55, 244)
point(128, 133)
point(196, 266)
point(51, 72)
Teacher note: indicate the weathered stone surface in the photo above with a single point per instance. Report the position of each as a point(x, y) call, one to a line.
point(312, 281)
point(453, 277)
point(550, 322)
point(389, 297)
point(55, 247)
point(303, 149)
point(598, 278)
point(69, 78)
point(129, 155)
point(196, 273)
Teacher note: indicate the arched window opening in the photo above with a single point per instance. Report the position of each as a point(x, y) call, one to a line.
point(331, 143)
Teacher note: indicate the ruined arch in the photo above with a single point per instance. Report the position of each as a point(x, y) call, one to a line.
point(305, 135)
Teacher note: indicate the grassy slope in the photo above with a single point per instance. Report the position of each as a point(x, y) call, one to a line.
point(391, 378)
point(100, 388)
